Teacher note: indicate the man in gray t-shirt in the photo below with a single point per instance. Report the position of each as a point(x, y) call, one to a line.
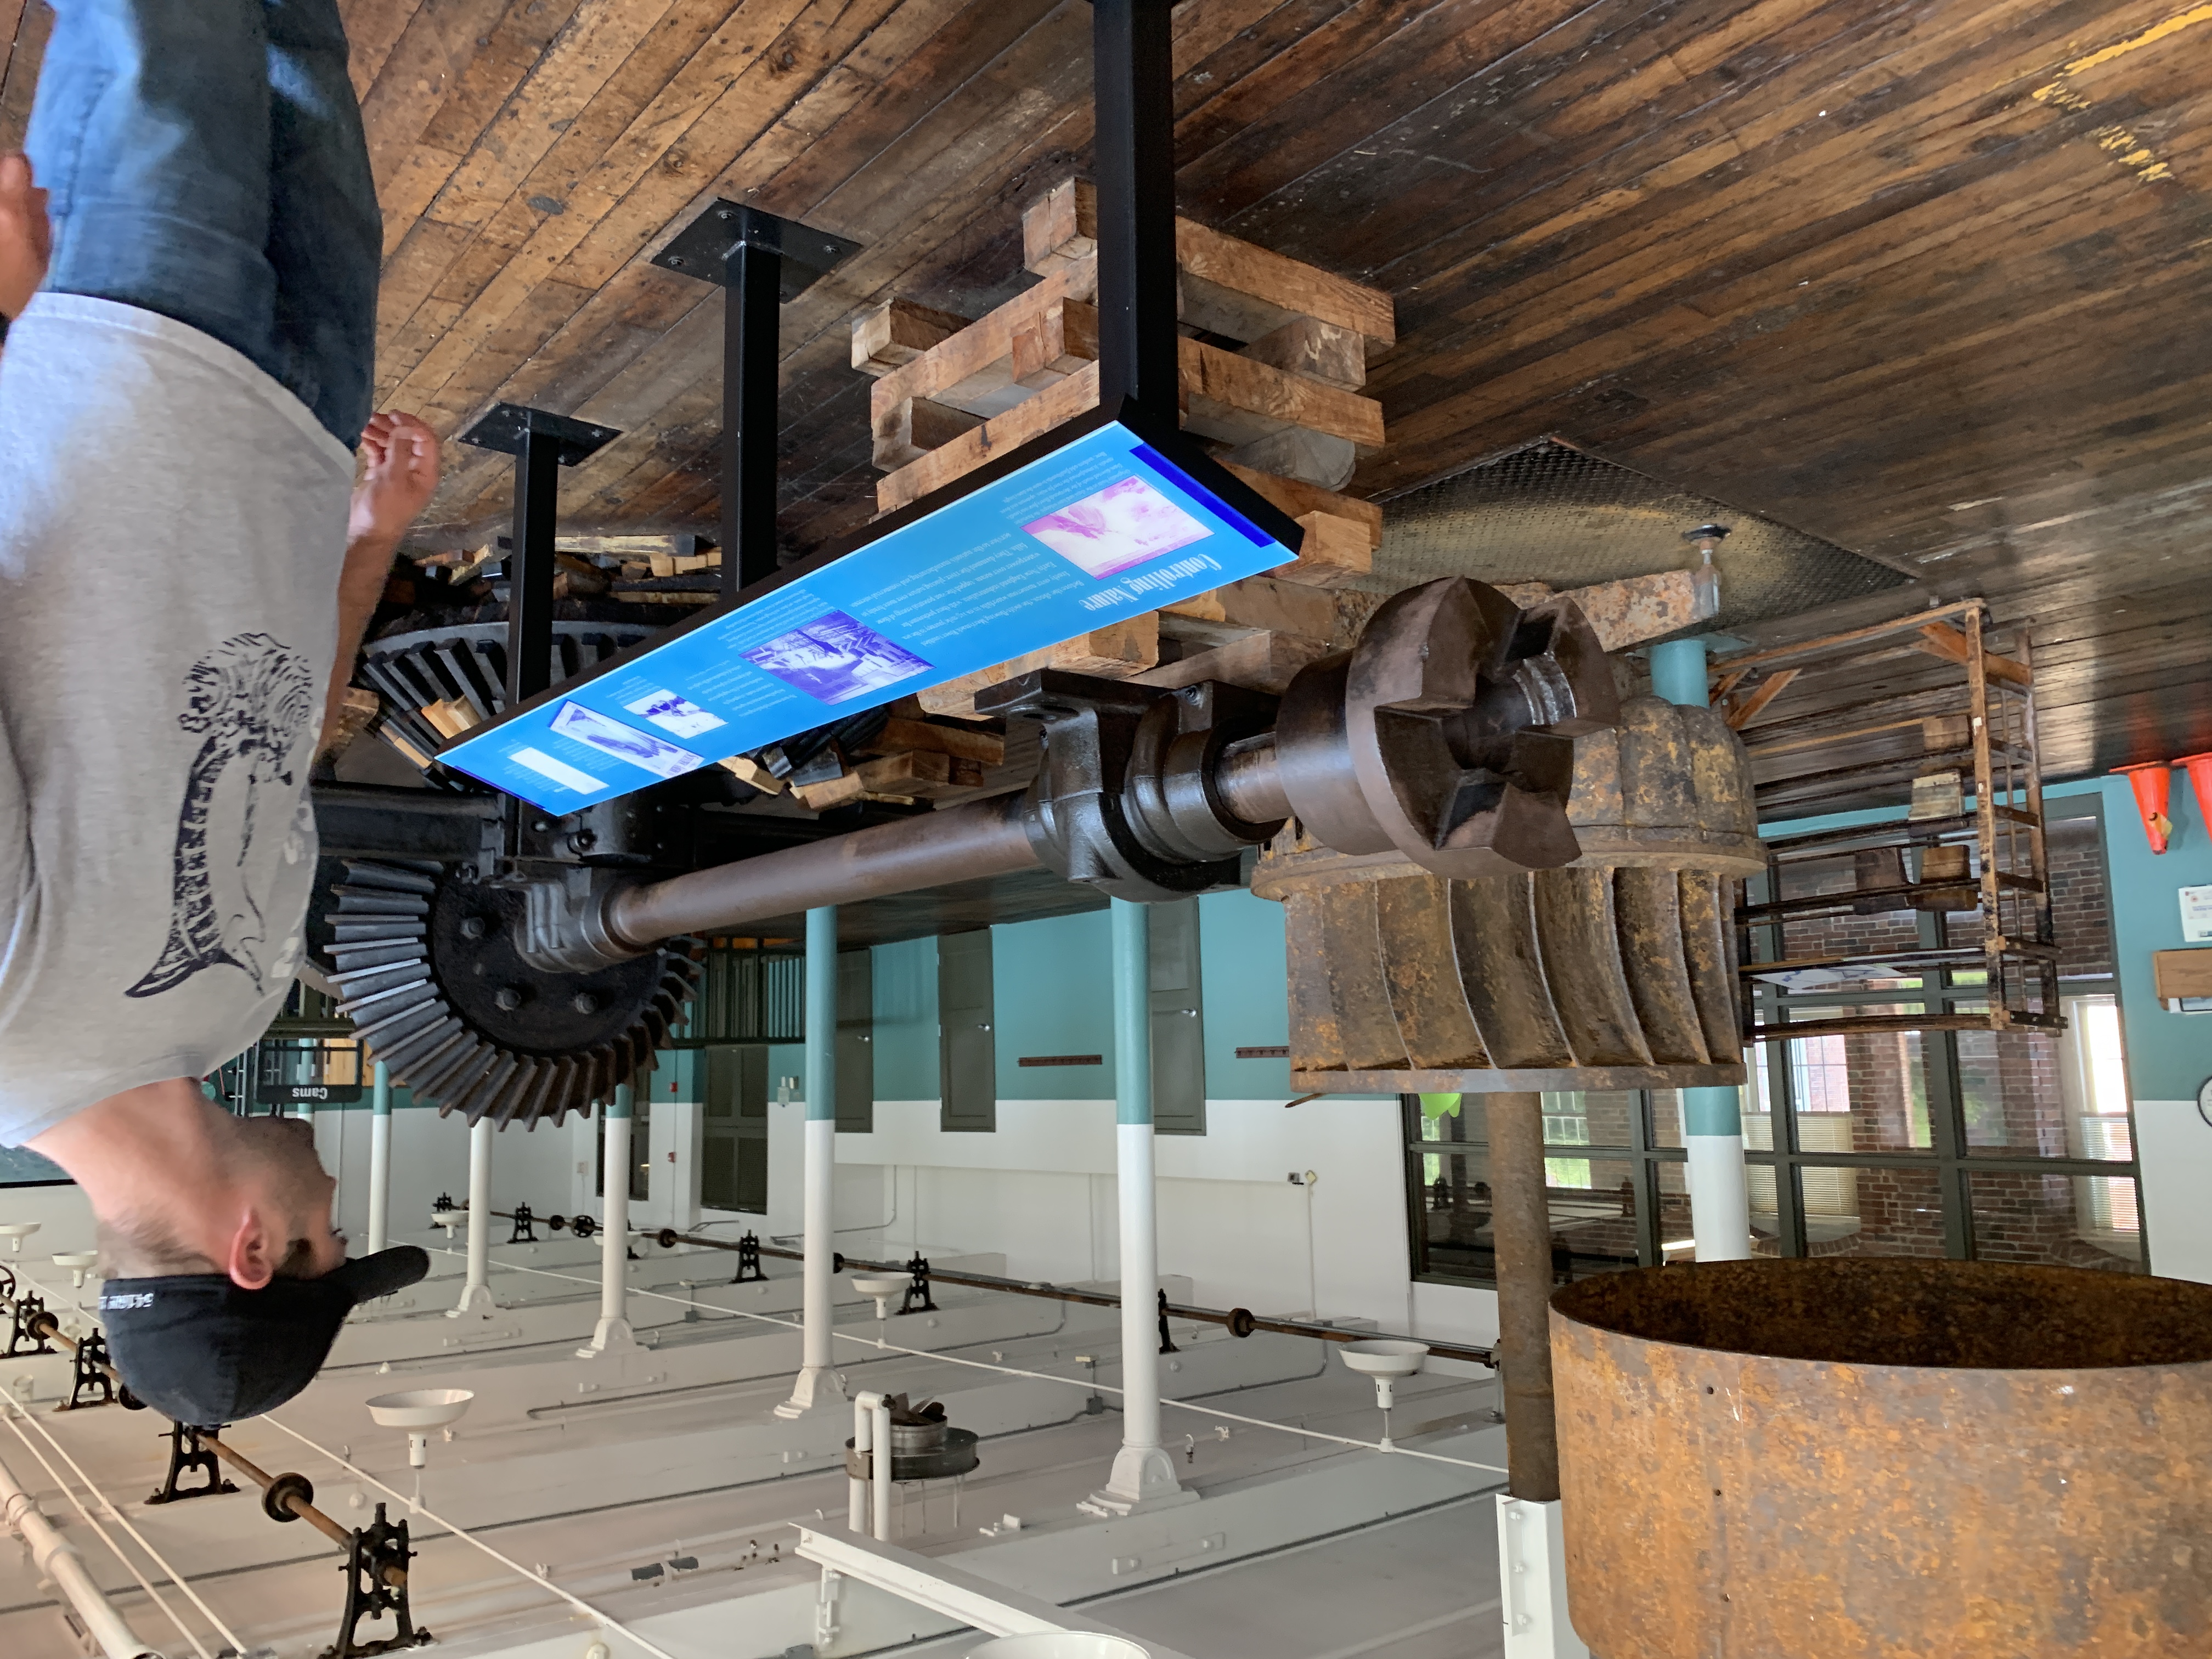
point(182, 592)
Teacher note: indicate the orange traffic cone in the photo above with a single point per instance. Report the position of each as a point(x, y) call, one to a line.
point(2199, 768)
point(2151, 779)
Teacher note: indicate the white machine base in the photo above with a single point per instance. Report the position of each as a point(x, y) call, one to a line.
point(817, 1385)
point(1143, 1479)
point(1531, 1579)
point(475, 1299)
point(609, 1336)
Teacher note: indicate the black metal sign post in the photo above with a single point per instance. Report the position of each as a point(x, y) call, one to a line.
point(1133, 70)
point(541, 443)
point(761, 262)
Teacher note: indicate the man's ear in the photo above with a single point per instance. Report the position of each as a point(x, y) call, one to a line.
point(255, 1250)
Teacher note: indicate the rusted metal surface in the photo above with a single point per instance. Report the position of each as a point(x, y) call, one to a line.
point(1878, 1458)
point(1521, 1230)
point(1631, 609)
point(1616, 971)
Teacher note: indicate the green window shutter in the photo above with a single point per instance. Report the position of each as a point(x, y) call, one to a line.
point(856, 1041)
point(1178, 1021)
point(733, 1169)
point(968, 1061)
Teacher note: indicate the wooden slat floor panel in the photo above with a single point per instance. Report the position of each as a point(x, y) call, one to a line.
point(1927, 282)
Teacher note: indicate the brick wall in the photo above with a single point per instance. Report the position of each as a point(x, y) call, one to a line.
point(2080, 909)
point(2009, 1084)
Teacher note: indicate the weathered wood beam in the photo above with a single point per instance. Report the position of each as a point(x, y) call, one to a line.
point(893, 334)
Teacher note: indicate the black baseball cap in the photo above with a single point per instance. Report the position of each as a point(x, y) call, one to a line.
point(198, 1348)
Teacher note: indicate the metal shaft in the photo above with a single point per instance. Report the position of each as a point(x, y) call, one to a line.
point(292, 1502)
point(964, 843)
point(1521, 1229)
point(1240, 1322)
point(1251, 781)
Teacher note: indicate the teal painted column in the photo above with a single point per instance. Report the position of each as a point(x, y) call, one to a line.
point(1712, 1111)
point(816, 1382)
point(1144, 1474)
point(1678, 673)
point(822, 1014)
point(379, 1158)
point(1712, 1119)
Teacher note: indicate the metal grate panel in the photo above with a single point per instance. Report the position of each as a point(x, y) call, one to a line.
point(1549, 513)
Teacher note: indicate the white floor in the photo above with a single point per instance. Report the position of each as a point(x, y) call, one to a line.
point(595, 1472)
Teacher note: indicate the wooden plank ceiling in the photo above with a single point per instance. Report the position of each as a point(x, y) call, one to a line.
point(1928, 280)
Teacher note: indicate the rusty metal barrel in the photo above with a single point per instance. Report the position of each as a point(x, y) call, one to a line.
point(1861, 1458)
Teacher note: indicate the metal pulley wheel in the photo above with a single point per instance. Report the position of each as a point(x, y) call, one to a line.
point(428, 960)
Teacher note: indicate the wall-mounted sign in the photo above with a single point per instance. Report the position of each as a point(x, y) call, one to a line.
point(1103, 527)
point(307, 1094)
point(2196, 915)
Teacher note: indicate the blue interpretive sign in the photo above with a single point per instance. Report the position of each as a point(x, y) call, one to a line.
point(1105, 527)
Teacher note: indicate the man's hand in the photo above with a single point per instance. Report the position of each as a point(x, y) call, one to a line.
point(27, 237)
point(400, 477)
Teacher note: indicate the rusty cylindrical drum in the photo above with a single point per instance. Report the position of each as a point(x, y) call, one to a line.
point(1860, 1458)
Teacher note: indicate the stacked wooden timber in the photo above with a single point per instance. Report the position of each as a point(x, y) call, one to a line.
point(913, 759)
point(1274, 358)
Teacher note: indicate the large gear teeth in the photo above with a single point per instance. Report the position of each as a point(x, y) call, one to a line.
point(380, 959)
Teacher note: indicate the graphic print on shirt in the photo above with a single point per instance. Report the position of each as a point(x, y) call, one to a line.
point(250, 698)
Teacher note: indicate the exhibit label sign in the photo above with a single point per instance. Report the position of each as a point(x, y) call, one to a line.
point(1104, 529)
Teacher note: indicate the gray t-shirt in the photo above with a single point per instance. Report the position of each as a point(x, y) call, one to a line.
point(171, 525)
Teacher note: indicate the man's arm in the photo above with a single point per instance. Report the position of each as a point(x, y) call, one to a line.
point(26, 237)
point(397, 484)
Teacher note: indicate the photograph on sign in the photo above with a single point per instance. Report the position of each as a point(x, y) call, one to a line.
point(613, 739)
point(834, 660)
point(1102, 528)
point(1124, 524)
point(678, 716)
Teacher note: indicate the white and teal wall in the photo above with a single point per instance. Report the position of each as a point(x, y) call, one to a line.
point(2169, 1054)
point(1040, 1187)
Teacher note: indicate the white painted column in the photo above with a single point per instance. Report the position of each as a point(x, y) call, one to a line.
point(1720, 1199)
point(476, 1289)
point(1712, 1119)
point(818, 1381)
point(1532, 1576)
point(612, 1333)
point(1144, 1474)
point(380, 1160)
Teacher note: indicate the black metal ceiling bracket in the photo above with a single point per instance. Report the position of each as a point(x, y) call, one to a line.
point(761, 262)
point(1134, 71)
